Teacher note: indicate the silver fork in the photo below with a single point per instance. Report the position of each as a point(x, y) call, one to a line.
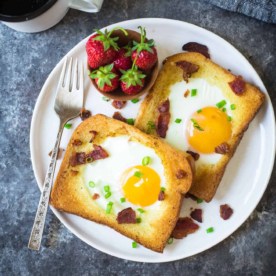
point(68, 103)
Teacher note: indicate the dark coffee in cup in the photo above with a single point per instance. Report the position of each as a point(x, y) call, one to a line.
point(22, 10)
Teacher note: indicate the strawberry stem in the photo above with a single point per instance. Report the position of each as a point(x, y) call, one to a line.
point(117, 28)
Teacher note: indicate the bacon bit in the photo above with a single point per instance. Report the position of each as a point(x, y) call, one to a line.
point(188, 68)
point(195, 155)
point(59, 155)
point(80, 158)
point(73, 172)
point(94, 133)
point(237, 85)
point(162, 124)
point(97, 153)
point(184, 227)
point(118, 116)
point(196, 47)
point(85, 114)
point(164, 107)
point(196, 214)
point(188, 195)
point(222, 148)
point(225, 211)
point(77, 142)
point(127, 215)
point(118, 104)
point(95, 196)
point(161, 196)
point(181, 174)
point(187, 93)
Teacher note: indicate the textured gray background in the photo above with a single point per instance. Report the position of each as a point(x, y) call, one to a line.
point(25, 62)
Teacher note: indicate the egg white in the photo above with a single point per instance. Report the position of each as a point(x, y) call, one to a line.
point(183, 107)
point(123, 154)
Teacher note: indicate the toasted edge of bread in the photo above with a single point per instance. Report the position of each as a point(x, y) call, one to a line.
point(207, 178)
point(69, 193)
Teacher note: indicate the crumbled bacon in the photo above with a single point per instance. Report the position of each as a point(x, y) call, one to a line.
point(225, 211)
point(196, 214)
point(118, 116)
point(80, 158)
point(222, 148)
point(164, 107)
point(195, 155)
point(95, 196)
point(118, 104)
point(196, 47)
point(93, 135)
point(59, 155)
point(77, 142)
point(127, 215)
point(187, 93)
point(181, 174)
point(237, 85)
point(188, 68)
point(184, 227)
point(163, 124)
point(161, 196)
point(84, 114)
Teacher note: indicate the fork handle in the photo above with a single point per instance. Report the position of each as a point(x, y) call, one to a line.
point(37, 230)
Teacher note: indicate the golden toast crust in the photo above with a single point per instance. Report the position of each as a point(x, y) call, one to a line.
point(207, 177)
point(69, 193)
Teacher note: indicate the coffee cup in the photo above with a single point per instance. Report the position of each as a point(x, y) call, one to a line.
point(33, 16)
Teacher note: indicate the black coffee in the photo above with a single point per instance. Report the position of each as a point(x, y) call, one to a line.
point(19, 8)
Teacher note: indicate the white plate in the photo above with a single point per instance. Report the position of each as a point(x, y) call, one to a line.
point(246, 176)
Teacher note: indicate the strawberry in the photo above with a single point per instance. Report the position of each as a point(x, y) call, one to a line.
point(102, 49)
point(106, 78)
point(132, 80)
point(123, 60)
point(144, 54)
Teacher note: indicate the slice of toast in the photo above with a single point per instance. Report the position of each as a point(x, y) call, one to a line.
point(71, 192)
point(246, 105)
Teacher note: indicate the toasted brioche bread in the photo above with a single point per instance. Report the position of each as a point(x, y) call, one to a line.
point(71, 194)
point(208, 176)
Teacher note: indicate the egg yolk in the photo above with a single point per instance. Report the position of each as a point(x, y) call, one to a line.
point(141, 185)
point(207, 129)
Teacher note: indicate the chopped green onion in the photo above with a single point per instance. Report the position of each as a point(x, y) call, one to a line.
point(134, 244)
point(200, 110)
point(178, 120)
point(107, 188)
point(196, 125)
point(193, 92)
point(199, 200)
point(141, 210)
point(138, 220)
point(135, 100)
point(130, 121)
point(229, 118)
point(109, 207)
point(106, 99)
point(107, 195)
point(223, 109)
point(163, 189)
point(170, 240)
point(232, 106)
point(146, 161)
point(122, 199)
point(91, 184)
point(68, 126)
point(221, 104)
point(138, 174)
point(210, 230)
point(150, 126)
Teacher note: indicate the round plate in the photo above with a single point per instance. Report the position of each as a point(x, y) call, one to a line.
point(246, 176)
